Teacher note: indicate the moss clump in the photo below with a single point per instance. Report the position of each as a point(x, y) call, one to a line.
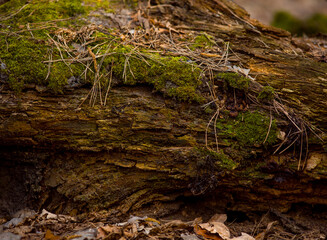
point(288, 22)
point(25, 55)
point(92, 5)
point(266, 94)
point(173, 76)
point(203, 41)
point(23, 59)
point(317, 23)
point(219, 159)
point(223, 161)
point(40, 10)
point(188, 139)
point(235, 80)
point(249, 129)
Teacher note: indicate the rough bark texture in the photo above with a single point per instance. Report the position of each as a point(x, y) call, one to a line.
point(144, 149)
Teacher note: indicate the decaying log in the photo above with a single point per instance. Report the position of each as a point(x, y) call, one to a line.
point(144, 149)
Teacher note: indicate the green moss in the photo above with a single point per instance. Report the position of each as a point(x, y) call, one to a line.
point(248, 129)
point(23, 60)
point(288, 22)
point(203, 41)
point(224, 161)
point(266, 94)
point(235, 80)
point(173, 76)
point(220, 159)
point(188, 139)
point(25, 54)
point(60, 73)
point(41, 10)
point(24, 64)
point(92, 5)
point(317, 23)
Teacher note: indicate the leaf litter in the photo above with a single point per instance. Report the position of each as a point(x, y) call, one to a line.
point(50, 226)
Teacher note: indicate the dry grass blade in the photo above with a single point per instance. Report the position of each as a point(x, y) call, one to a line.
point(15, 13)
point(60, 53)
point(269, 128)
point(214, 117)
point(49, 64)
point(301, 149)
point(109, 85)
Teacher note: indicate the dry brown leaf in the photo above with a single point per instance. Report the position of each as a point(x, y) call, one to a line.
point(314, 160)
point(218, 218)
point(262, 235)
point(197, 221)
point(108, 230)
point(176, 224)
point(204, 233)
point(244, 236)
point(217, 228)
point(50, 236)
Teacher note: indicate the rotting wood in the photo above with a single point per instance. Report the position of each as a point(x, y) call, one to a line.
point(143, 148)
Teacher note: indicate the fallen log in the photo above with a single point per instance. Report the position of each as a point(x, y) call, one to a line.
point(189, 100)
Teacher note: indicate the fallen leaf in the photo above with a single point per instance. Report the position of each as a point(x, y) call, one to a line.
point(50, 236)
point(204, 233)
point(314, 160)
point(244, 236)
point(217, 227)
point(48, 215)
point(218, 218)
point(189, 237)
point(262, 235)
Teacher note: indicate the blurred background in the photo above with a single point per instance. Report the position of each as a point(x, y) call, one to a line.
point(297, 16)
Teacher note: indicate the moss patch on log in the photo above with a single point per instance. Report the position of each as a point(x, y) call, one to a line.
point(266, 94)
point(203, 40)
point(235, 80)
point(211, 160)
point(173, 76)
point(25, 57)
point(249, 129)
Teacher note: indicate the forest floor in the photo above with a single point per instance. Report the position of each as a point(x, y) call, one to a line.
point(301, 223)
